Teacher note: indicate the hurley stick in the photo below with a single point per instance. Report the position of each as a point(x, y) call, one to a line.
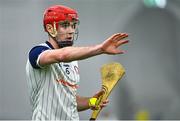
point(110, 73)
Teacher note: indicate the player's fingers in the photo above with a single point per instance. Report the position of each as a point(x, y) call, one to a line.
point(120, 51)
point(122, 42)
point(120, 36)
point(98, 94)
point(95, 107)
point(114, 36)
point(104, 103)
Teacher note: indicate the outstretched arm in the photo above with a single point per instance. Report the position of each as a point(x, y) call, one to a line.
point(67, 54)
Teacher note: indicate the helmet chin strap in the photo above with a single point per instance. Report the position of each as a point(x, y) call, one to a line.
point(62, 44)
point(66, 43)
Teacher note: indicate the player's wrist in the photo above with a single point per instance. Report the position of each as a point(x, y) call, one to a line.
point(101, 50)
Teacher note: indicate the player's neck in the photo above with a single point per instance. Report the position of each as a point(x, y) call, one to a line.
point(53, 43)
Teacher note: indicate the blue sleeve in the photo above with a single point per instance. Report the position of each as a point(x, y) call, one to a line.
point(34, 54)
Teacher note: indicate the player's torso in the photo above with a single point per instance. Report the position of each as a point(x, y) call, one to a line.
point(55, 96)
point(53, 91)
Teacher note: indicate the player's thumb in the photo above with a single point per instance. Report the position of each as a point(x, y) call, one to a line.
point(97, 95)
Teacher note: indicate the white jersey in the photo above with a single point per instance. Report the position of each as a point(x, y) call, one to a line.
point(53, 90)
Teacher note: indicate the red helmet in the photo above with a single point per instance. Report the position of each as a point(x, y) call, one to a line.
point(57, 13)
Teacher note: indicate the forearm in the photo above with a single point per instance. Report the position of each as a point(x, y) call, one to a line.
point(68, 54)
point(79, 53)
point(82, 103)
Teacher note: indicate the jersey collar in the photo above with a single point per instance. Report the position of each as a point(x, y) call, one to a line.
point(49, 44)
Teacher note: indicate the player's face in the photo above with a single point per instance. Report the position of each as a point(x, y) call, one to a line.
point(66, 30)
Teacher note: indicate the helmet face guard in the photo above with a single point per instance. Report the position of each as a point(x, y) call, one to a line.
point(74, 24)
point(75, 34)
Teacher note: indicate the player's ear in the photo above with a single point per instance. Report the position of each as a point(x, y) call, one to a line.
point(51, 30)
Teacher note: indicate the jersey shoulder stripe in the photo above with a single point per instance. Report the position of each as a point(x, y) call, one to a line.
point(36, 51)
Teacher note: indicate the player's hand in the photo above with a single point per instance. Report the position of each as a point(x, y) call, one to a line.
point(110, 45)
point(102, 105)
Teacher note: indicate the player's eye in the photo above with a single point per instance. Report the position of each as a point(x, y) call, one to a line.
point(65, 25)
point(74, 25)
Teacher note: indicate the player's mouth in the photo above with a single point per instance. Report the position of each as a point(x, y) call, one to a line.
point(69, 38)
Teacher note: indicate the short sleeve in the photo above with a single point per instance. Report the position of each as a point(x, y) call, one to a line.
point(34, 55)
